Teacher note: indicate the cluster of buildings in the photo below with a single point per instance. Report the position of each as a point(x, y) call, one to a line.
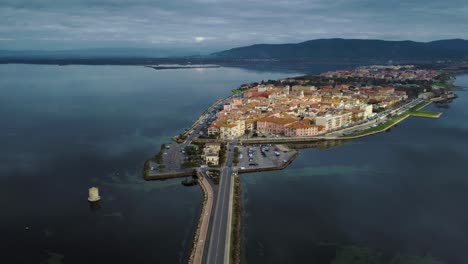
point(211, 153)
point(299, 110)
point(388, 73)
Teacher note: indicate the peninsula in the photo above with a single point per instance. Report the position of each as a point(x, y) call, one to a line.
point(249, 132)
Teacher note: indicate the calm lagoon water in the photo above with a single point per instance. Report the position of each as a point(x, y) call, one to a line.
point(402, 192)
point(65, 129)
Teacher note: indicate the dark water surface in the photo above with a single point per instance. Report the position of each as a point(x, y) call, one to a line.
point(403, 192)
point(65, 129)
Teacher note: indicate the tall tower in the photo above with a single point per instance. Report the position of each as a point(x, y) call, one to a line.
point(93, 194)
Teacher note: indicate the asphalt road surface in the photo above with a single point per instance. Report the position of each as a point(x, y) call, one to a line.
point(217, 244)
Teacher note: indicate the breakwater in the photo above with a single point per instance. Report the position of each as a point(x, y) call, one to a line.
point(170, 175)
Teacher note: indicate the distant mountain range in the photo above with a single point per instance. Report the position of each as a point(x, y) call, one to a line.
point(352, 49)
point(312, 51)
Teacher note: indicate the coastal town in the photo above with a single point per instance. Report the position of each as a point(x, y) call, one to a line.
point(250, 131)
point(301, 108)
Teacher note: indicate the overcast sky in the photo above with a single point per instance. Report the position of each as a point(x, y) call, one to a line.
point(212, 25)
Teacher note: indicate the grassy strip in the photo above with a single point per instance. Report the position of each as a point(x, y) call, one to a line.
point(159, 157)
point(236, 156)
point(443, 85)
point(412, 112)
point(236, 223)
point(425, 114)
point(222, 155)
point(146, 168)
point(384, 126)
point(238, 91)
point(419, 106)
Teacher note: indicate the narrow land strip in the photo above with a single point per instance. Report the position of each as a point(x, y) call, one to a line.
point(235, 241)
point(196, 256)
point(227, 250)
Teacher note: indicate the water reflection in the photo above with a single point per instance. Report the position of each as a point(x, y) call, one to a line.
point(94, 206)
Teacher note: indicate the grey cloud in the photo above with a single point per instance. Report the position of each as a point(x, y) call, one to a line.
point(218, 24)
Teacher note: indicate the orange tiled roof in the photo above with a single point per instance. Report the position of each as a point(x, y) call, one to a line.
point(301, 124)
point(277, 120)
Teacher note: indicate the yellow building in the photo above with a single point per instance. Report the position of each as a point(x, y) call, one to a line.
point(229, 130)
point(212, 159)
point(211, 153)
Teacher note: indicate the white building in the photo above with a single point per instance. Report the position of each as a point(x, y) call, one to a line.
point(331, 122)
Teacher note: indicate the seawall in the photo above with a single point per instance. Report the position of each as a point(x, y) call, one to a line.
point(170, 175)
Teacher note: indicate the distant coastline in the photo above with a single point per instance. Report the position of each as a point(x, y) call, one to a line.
point(180, 66)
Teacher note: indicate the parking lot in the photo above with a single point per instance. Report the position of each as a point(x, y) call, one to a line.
point(263, 156)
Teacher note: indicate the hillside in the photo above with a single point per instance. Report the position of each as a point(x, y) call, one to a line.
point(352, 49)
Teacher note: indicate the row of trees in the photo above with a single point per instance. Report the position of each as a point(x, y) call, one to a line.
point(193, 156)
point(236, 156)
point(159, 157)
point(222, 154)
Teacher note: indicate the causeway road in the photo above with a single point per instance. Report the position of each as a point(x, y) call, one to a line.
point(217, 245)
